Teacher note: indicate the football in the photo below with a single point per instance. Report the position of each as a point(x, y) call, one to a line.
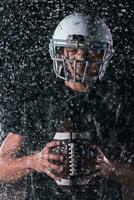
point(77, 153)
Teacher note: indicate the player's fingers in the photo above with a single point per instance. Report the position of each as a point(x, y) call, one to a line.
point(55, 157)
point(100, 153)
point(53, 143)
point(55, 167)
point(93, 146)
point(103, 160)
point(53, 176)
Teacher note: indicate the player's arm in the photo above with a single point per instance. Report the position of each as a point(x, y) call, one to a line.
point(123, 173)
point(13, 169)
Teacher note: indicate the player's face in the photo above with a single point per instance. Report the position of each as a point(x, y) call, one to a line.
point(80, 55)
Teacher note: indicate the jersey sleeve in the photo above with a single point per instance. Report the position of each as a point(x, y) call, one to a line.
point(13, 115)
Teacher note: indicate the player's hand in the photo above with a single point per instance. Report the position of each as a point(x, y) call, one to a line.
point(103, 166)
point(42, 161)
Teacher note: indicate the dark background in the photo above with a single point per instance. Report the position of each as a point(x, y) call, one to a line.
point(27, 25)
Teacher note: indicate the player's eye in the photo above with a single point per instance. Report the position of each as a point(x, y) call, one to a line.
point(72, 50)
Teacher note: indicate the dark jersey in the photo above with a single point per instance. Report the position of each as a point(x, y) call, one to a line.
point(38, 111)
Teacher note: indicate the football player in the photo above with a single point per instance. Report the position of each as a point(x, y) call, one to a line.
point(80, 49)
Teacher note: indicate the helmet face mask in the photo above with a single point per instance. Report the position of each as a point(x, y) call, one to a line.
point(91, 65)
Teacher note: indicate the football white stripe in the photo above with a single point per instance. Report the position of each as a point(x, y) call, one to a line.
point(69, 135)
point(68, 182)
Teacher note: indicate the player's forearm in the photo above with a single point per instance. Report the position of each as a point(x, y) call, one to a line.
point(124, 174)
point(14, 169)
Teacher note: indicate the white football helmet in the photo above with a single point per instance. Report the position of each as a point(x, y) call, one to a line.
point(81, 31)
